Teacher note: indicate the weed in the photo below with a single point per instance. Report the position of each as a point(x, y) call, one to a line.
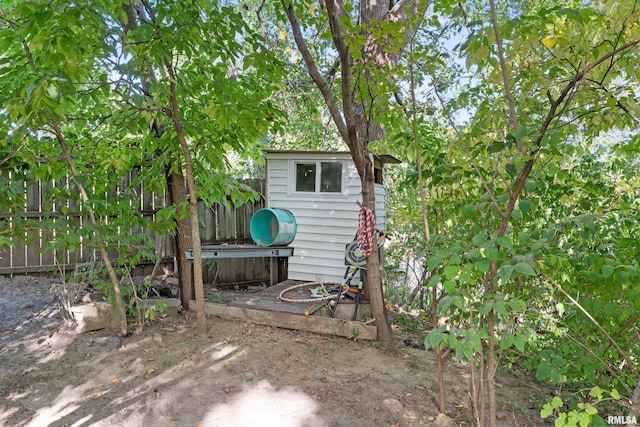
point(412, 323)
point(508, 405)
point(412, 361)
point(215, 298)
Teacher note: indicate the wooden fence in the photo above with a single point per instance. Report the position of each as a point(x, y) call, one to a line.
point(29, 254)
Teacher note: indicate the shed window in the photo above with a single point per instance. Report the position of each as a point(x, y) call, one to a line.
point(306, 177)
point(377, 173)
point(330, 177)
point(318, 177)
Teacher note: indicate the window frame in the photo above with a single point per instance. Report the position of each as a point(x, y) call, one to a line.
point(293, 168)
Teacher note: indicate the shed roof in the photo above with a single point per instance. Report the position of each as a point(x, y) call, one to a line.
point(383, 158)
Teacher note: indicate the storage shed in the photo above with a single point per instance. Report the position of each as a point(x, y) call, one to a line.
point(321, 189)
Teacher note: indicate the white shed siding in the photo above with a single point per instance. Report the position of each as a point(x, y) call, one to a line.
point(326, 222)
point(381, 213)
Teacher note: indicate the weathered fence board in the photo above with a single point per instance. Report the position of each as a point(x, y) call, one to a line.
point(30, 253)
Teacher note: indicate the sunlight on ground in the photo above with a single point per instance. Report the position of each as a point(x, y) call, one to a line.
point(49, 338)
point(66, 403)
point(143, 390)
point(264, 405)
point(5, 414)
point(224, 352)
point(141, 400)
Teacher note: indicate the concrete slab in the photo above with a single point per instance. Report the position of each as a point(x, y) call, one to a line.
point(93, 317)
point(173, 306)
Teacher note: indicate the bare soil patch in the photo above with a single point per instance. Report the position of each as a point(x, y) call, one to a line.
point(239, 374)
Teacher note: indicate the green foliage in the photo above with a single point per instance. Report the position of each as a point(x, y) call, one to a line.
point(574, 223)
point(410, 322)
point(355, 334)
point(584, 413)
point(109, 92)
point(151, 312)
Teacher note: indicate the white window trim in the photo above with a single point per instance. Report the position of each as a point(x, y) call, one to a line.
point(291, 190)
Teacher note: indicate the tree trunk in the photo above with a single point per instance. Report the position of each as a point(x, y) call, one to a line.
point(178, 192)
point(373, 279)
point(354, 118)
point(198, 284)
point(175, 181)
point(120, 314)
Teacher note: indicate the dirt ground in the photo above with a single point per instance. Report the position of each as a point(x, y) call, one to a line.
point(239, 374)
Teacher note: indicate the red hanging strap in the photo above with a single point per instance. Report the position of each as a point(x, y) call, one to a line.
point(366, 227)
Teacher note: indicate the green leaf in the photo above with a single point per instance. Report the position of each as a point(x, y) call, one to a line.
point(523, 238)
point(556, 402)
point(590, 409)
point(434, 281)
point(518, 306)
point(519, 342)
point(522, 133)
point(455, 260)
point(496, 147)
point(561, 420)
point(473, 338)
point(607, 271)
point(434, 339)
point(482, 266)
point(546, 411)
point(505, 242)
point(468, 211)
point(467, 350)
point(451, 271)
point(596, 392)
point(505, 271)
point(614, 393)
point(507, 341)
point(584, 419)
point(465, 277)
point(481, 239)
point(445, 303)
point(525, 268)
point(473, 254)
point(491, 253)
point(450, 286)
point(486, 307)
point(433, 262)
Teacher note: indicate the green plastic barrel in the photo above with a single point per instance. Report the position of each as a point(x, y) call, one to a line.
point(273, 227)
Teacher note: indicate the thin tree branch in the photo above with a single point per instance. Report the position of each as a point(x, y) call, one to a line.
point(121, 315)
point(314, 73)
point(595, 323)
point(466, 148)
point(564, 97)
point(335, 9)
point(513, 116)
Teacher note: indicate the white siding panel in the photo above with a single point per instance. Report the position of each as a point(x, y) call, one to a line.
point(316, 207)
point(326, 222)
point(381, 214)
point(278, 183)
point(321, 275)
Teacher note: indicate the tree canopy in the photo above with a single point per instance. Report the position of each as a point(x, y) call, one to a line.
point(517, 123)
